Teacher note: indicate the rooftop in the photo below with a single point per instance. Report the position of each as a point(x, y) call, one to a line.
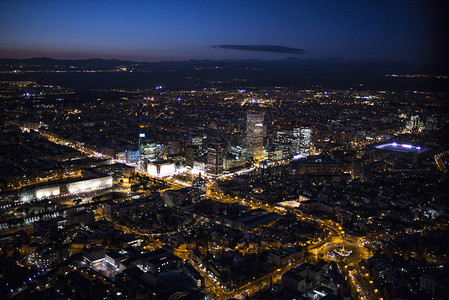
point(402, 148)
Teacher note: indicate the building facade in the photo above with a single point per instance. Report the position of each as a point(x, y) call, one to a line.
point(255, 133)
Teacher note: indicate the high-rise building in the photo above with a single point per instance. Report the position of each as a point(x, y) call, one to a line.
point(255, 133)
point(295, 140)
point(432, 123)
point(284, 142)
point(149, 151)
point(197, 141)
point(215, 159)
point(414, 123)
point(304, 139)
point(191, 153)
point(200, 187)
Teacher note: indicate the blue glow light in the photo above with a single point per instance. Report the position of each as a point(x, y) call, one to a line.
point(393, 146)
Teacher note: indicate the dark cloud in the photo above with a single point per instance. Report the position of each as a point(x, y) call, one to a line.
point(262, 48)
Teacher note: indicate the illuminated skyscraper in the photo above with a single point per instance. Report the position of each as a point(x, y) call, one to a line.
point(414, 124)
point(149, 151)
point(295, 141)
point(255, 133)
point(305, 140)
point(302, 140)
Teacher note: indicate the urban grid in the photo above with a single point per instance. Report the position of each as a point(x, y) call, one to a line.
point(285, 178)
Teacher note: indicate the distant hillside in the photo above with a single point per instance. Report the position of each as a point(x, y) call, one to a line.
point(332, 72)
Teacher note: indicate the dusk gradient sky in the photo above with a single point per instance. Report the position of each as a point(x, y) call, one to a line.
point(179, 30)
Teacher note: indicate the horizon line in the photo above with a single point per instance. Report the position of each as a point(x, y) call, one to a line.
point(377, 60)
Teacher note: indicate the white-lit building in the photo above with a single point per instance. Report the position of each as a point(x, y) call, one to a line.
point(58, 189)
point(414, 123)
point(88, 185)
point(47, 192)
point(161, 168)
point(149, 150)
point(255, 133)
point(305, 140)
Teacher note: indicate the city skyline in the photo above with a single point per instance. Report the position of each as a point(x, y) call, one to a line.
point(210, 150)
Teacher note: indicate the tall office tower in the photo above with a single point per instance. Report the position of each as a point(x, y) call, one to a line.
point(284, 142)
point(305, 139)
point(414, 123)
point(432, 123)
point(191, 153)
point(149, 151)
point(255, 133)
point(215, 159)
point(295, 140)
point(197, 141)
point(200, 187)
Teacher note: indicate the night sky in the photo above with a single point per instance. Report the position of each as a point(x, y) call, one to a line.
point(179, 30)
